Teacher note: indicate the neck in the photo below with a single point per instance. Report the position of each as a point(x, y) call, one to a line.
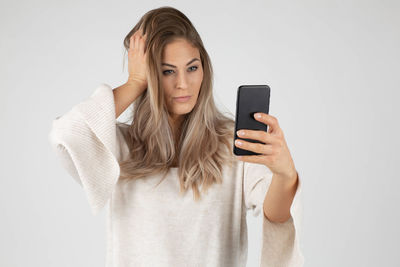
point(175, 122)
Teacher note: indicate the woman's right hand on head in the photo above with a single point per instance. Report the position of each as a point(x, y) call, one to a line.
point(137, 65)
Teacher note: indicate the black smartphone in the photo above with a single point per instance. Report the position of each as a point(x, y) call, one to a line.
point(250, 99)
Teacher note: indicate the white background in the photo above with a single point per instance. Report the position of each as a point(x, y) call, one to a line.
point(333, 69)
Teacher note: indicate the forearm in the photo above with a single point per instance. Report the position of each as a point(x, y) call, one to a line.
point(279, 198)
point(124, 95)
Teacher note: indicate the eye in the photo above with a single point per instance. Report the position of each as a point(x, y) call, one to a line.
point(193, 67)
point(165, 72)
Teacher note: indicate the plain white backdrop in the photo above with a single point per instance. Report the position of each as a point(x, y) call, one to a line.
point(333, 69)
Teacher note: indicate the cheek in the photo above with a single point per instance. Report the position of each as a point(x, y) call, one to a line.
point(164, 82)
point(197, 78)
point(166, 87)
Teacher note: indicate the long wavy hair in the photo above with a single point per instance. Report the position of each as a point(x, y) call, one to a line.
point(206, 141)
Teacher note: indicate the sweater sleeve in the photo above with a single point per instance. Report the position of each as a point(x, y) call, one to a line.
point(280, 241)
point(89, 143)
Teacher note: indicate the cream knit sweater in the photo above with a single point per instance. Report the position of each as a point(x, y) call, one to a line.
point(154, 226)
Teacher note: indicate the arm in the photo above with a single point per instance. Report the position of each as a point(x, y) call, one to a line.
point(280, 241)
point(125, 94)
point(279, 198)
point(90, 145)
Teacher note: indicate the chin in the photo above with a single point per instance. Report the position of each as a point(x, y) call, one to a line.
point(182, 110)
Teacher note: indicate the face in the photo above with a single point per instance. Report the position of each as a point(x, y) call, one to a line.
point(182, 75)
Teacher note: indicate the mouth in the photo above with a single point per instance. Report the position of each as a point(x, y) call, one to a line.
point(182, 98)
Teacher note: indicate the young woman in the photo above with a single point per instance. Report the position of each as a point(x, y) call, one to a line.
point(177, 194)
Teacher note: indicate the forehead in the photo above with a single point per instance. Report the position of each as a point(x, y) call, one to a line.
point(179, 51)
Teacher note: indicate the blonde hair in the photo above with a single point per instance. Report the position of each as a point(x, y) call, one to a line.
point(206, 141)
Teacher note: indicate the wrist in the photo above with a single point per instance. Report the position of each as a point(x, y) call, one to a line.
point(136, 83)
point(290, 177)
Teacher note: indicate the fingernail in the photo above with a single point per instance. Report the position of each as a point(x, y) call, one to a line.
point(241, 133)
point(257, 115)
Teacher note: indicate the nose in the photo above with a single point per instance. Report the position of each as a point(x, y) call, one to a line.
point(182, 82)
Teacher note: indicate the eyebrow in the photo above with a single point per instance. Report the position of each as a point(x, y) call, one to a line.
point(170, 65)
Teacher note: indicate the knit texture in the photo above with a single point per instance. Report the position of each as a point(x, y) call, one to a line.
point(155, 226)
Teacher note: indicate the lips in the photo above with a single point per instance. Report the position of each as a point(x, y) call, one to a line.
point(182, 98)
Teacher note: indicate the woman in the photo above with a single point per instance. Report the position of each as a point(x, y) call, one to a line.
point(147, 168)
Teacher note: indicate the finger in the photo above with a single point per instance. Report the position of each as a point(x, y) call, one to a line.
point(131, 40)
point(269, 120)
point(258, 135)
point(144, 38)
point(136, 41)
point(140, 46)
point(265, 149)
point(252, 158)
